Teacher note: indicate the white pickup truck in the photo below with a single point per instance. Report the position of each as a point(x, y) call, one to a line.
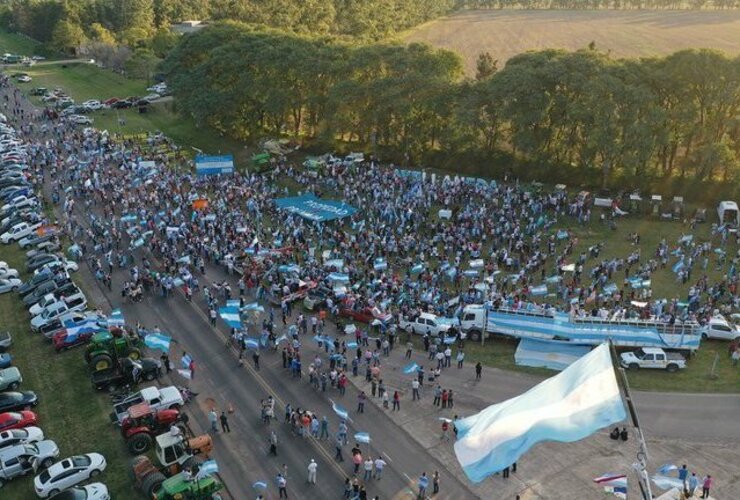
point(425, 323)
point(719, 328)
point(653, 357)
point(158, 398)
point(18, 231)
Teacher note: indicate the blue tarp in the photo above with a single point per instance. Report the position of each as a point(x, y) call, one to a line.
point(548, 354)
point(316, 209)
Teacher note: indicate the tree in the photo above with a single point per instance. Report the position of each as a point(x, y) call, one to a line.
point(99, 33)
point(67, 36)
point(142, 64)
point(486, 66)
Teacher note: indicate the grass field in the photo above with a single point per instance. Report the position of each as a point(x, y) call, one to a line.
point(622, 33)
point(20, 44)
point(70, 411)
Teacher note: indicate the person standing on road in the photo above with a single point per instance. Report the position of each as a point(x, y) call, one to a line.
point(324, 434)
point(361, 402)
point(379, 465)
point(273, 443)
point(213, 419)
point(437, 395)
point(435, 483)
point(282, 485)
point(396, 401)
point(414, 390)
point(460, 358)
point(706, 486)
point(256, 359)
point(312, 471)
point(368, 467)
point(409, 349)
point(338, 444)
point(423, 483)
point(478, 370)
point(224, 422)
point(212, 313)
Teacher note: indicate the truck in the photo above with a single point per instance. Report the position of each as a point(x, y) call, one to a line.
point(18, 231)
point(56, 310)
point(158, 398)
point(425, 323)
point(720, 328)
point(537, 322)
point(652, 357)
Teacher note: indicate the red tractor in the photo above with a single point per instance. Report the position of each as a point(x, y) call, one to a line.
point(143, 423)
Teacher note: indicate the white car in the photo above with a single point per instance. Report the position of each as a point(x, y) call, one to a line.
point(18, 231)
point(24, 79)
point(92, 491)
point(9, 284)
point(6, 273)
point(67, 473)
point(80, 119)
point(54, 311)
point(20, 202)
point(92, 105)
point(27, 435)
point(68, 265)
point(719, 328)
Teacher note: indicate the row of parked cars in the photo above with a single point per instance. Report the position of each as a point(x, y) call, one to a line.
point(52, 299)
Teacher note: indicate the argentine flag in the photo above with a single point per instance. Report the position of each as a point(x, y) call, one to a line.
point(340, 411)
point(116, 318)
point(410, 368)
point(157, 341)
point(207, 468)
point(568, 407)
point(230, 315)
point(362, 437)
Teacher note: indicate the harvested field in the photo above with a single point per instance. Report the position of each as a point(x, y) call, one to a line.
point(622, 33)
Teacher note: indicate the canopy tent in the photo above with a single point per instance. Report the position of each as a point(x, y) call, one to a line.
point(315, 209)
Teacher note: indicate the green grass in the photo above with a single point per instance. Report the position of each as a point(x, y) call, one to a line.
point(70, 411)
point(20, 44)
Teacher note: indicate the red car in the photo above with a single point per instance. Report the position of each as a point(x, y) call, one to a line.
point(17, 420)
point(110, 101)
point(365, 315)
point(63, 340)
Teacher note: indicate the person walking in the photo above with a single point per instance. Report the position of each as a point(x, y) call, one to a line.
point(312, 467)
point(273, 443)
point(445, 431)
point(460, 358)
point(435, 482)
point(437, 395)
point(423, 484)
point(356, 460)
point(693, 484)
point(706, 486)
point(213, 419)
point(478, 370)
point(409, 349)
point(324, 434)
point(338, 444)
point(256, 359)
point(450, 399)
point(414, 390)
point(282, 484)
point(224, 422)
point(396, 401)
point(361, 402)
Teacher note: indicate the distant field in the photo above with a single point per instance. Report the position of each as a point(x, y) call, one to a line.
point(623, 33)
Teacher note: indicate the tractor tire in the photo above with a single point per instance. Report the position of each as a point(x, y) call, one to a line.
point(151, 483)
point(134, 463)
point(101, 361)
point(133, 354)
point(139, 443)
point(149, 376)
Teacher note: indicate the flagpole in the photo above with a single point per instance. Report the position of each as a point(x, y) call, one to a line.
point(642, 453)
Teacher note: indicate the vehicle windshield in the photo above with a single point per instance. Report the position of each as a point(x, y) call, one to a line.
point(81, 461)
point(639, 353)
point(44, 477)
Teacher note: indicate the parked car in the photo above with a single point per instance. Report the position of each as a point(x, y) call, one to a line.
point(9, 285)
point(720, 328)
point(10, 378)
point(21, 459)
point(55, 311)
point(6, 340)
point(81, 120)
point(92, 104)
point(69, 266)
point(24, 79)
point(51, 286)
point(121, 104)
point(653, 357)
point(17, 420)
point(6, 360)
point(19, 201)
point(67, 473)
point(424, 323)
point(20, 436)
point(92, 491)
point(35, 281)
point(34, 239)
point(40, 261)
point(126, 372)
point(8, 273)
point(14, 401)
point(18, 231)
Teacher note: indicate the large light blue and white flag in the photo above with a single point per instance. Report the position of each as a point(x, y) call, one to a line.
point(568, 407)
point(158, 341)
point(207, 468)
point(410, 368)
point(362, 437)
point(116, 318)
point(230, 315)
point(666, 469)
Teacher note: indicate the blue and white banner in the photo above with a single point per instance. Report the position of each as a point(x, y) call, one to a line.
point(315, 209)
point(185, 361)
point(230, 315)
point(338, 277)
point(116, 318)
point(410, 368)
point(158, 341)
point(207, 468)
point(214, 165)
point(548, 354)
point(340, 411)
point(362, 437)
point(568, 407)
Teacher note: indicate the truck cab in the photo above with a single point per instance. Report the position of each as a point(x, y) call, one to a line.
point(175, 452)
point(473, 321)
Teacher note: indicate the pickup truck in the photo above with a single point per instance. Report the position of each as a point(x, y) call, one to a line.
point(60, 288)
point(18, 231)
point(146, 369)
point(159, 399)
point(720, 328)
point(424, 323)
point(74, 297)
point(653, 357)
point(56, 310)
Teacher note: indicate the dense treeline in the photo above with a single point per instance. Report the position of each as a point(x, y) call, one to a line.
point(136, 21)
point(614, 119)
point(598, 4)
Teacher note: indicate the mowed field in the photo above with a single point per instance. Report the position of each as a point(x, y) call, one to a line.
point(622, 33)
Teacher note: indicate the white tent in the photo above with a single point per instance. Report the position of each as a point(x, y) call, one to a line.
point(727, 212)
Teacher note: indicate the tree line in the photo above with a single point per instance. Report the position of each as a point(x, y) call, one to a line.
point(599, 4)
point(614, 121)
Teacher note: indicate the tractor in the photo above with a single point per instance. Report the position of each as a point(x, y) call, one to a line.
point(174, 453)
point(144, 423)
point(177, 487)
point(105, 348)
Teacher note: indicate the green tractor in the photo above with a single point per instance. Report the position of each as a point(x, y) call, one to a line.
point(178, 488)
point(106, 348)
